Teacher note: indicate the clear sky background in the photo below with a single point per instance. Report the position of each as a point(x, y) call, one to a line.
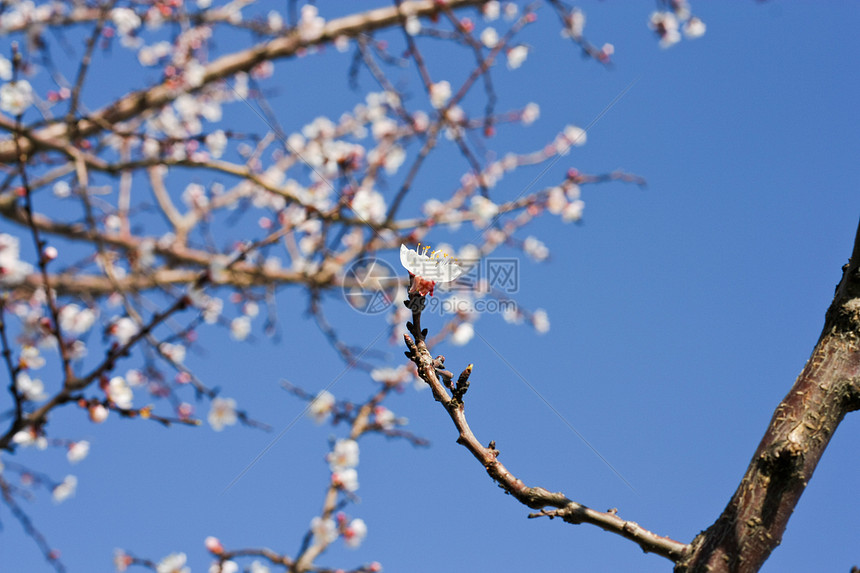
point(681, 315)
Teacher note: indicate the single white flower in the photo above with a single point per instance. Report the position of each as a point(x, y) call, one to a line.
point(438, 267)
point(464, 333)
point(440, 93)
point(31, 389)
point(222, 413)
point(540, 320)
point(321, 406)
point(694, 28)
point(345, 479)
point(490, 38)
point(343, 456)
point(173, 563)
point(66, 489)
point(16, 97)
point(120, 392)
point(78, 451)
point(324, 531)
point(355, 533)
point(516, 56)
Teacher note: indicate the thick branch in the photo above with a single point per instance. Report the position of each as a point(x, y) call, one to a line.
point(752, 524)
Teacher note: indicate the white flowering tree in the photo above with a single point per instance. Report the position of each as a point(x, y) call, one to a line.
point(138, 214)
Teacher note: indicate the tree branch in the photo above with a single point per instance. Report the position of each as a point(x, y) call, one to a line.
point(752, 524)
point(430, 370)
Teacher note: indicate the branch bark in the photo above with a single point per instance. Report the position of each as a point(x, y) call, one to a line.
point(431, 370)
point(752, 524)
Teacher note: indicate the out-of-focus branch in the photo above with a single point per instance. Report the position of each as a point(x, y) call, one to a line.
point(827, 389)
point(134, 103)
point(534, 497)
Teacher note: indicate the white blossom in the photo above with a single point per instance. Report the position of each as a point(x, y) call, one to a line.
point(16, 97)
point(440, 93)
point(31, 389)
point(535, 249)
point(173, 563)
point(124, 329)
point(490, 38)
point(516, 56)
point(65, 489)
point(355, 533)
point(222, 413)
point(126, 20)
point(324, 531)
point(120, 392)
point(311, 25)
point(321, 406)
point(463, 334)
point(78, 451)
point(346, 479)
point(12, 269)
point(343, 456)
point(540, 320)
point(369, 205)
point(438, 267)
point(694, 28)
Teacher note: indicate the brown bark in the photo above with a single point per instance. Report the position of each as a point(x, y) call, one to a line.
point(752, 524)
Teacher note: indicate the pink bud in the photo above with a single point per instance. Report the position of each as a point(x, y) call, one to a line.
point(213, 544)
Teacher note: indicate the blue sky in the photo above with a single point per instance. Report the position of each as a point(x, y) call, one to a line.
point(681, 314)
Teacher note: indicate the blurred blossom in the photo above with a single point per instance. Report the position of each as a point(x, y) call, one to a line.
point(413, 25)
point(12, 269)
point(343, 456)
point(125, 20)
point(463, 334)
point(120, 393)
point(16, 97)
point(384, 417)
point(123, 329)
point(222, 413)
point(98, 413)
point(74, 320)
point(530, 113)
point(224, 567)
point(311, 24)
point(65, 489)
point(30, 358)
point(30, 389)
point(491, 10)
point(324, 531)
point(540, 320)
point(694, 28)
point(516, 56)
point(321, 406)
point(240, 327)
point(490, 38)
point(173, 352)
point(355, 533)
point(345, 479)
point(440, 93)
point(535, 249)
point(78, 451)
point(173, 563)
